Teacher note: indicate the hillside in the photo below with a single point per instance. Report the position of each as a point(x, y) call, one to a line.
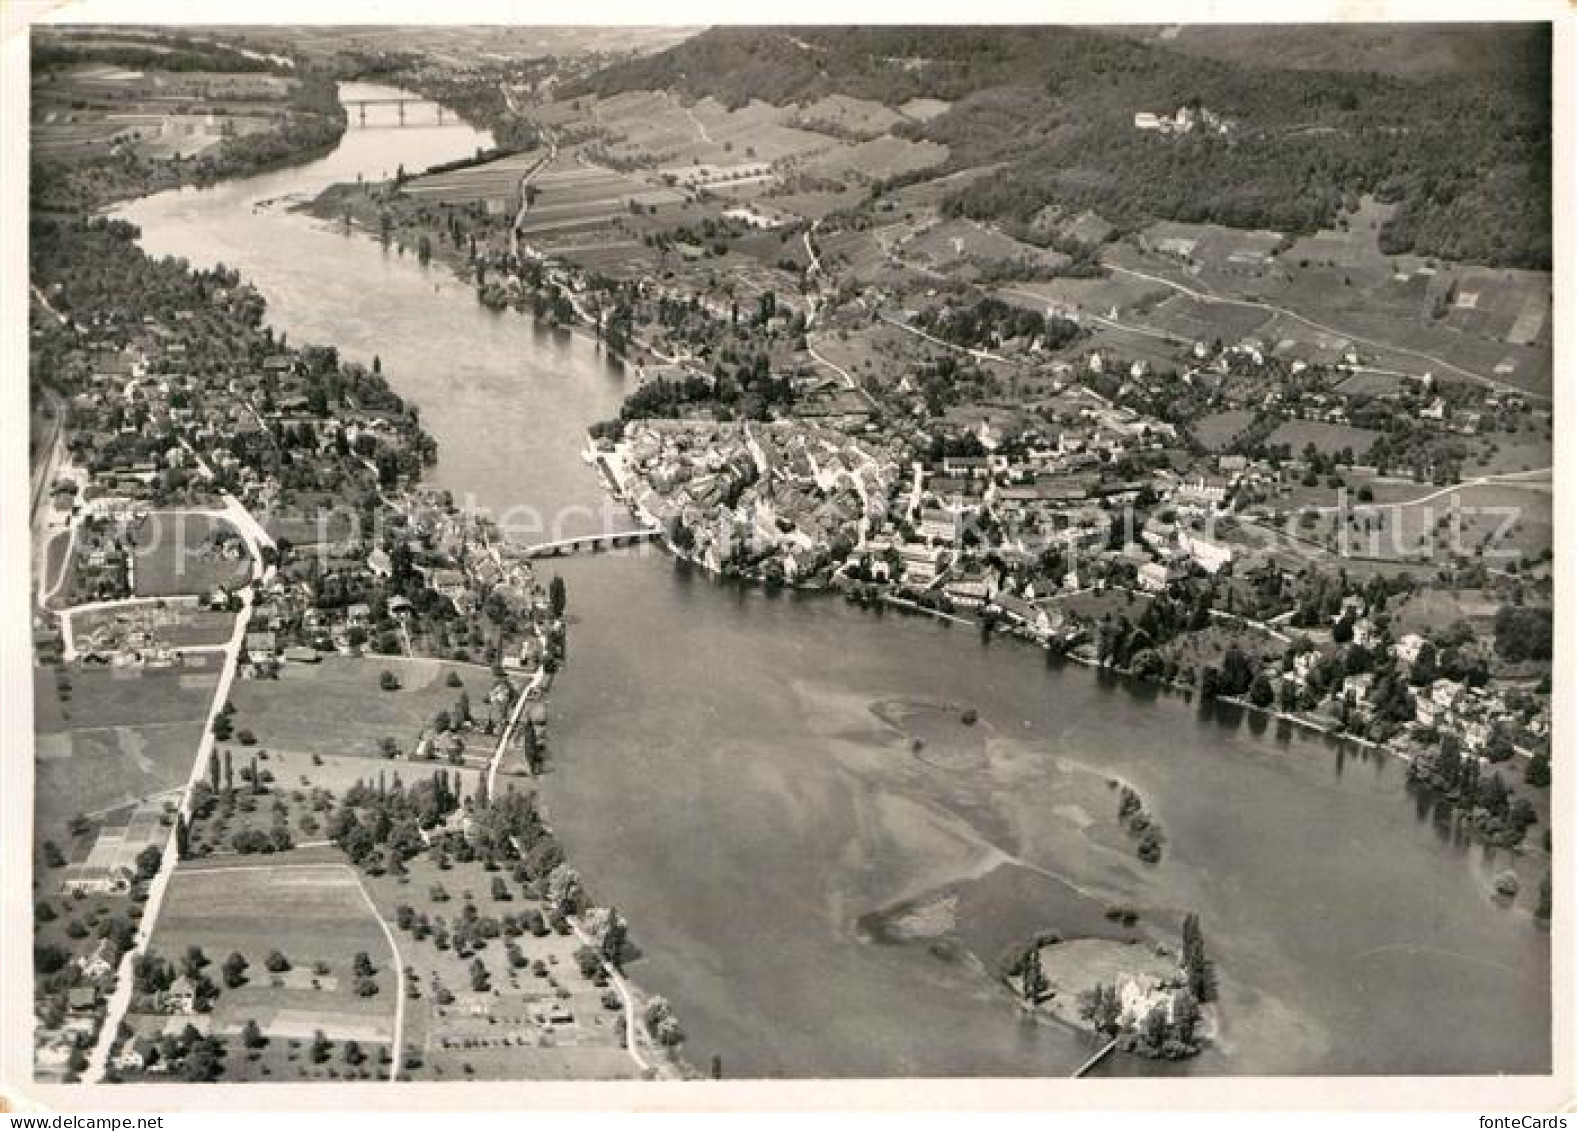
point(1058, 104)
point(1387, 49)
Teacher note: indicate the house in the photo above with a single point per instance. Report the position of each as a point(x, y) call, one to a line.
point(1210, 555)
point(261, 643)
point(180, 997)
point(1154, 577)
point(1409, 648)
point(379, 562)
point(1356, 688)
point(82, 999)
point(970, 592)
point(300, 654)
point(136, 1055)
point(100, 964)
point(359, 614)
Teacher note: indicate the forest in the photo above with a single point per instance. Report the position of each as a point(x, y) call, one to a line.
point(1465, 153)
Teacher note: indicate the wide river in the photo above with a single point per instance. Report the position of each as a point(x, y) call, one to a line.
point(720, 775)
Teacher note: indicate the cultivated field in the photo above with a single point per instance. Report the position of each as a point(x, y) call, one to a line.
point(493, 181)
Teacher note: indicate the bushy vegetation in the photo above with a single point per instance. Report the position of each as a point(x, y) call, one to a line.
point(1465, 154)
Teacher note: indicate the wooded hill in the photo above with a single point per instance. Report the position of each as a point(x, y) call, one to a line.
point(1464, 150)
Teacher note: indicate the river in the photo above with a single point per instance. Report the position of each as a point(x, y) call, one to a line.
point(726, 772)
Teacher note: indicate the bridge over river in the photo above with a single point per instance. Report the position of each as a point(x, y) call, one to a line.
point(360, 106)
point(592, 543)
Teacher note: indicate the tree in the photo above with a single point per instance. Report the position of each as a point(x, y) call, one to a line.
point(556, 596)
point(251, 1036)
point(388, 681)
point(320, 1048)
point(1261, 694)
point(1101, 1008)
point(1538, 771)
point(276, 962)
point(1032, 980)
point(361, 965)
point(234, 970)
point(1196, 967)
point(53, 857)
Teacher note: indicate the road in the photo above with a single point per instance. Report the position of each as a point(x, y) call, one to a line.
point(632, 1022)
point(502, 749)
point(120, 998)
point(1438, 362)
point(1504, 479)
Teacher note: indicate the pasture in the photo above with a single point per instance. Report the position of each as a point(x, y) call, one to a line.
point(1326, 437)
point(112, 697)
point(314, 913)
point(336, 706)
point(1217, 430)
point(868, 162)
point(843, 116)
point(952, 242)
point(91, 771)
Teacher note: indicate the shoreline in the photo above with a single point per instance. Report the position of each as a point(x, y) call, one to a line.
point(658, 1062)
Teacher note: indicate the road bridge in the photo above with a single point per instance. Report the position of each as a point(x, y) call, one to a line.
point(592, 543)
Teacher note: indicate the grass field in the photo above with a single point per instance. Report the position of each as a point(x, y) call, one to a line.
point(1431, 610)
point(187, 553)
point(109, 697)
point(336, 707)
point(1327, 438)
point(1217, 430)
point(312, 913)
point(87, 771)
point(870, 161)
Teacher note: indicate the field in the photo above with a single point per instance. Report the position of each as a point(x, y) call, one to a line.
point(1117, 292)
point(867, 162)
point(179, 552)
point(317, 915)
point(91, 771)
point(1217, 430)
point(87, 112)
point(111, 697)
point(572, 196)
point(952, 242)
point(1430, 610)
point(494, 181)
point(1500, 524)
point(1204, 322)
point(840, 115)
point(1327, 438)
point(336, 707)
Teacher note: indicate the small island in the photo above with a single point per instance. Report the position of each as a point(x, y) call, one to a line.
point(1145, 999)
